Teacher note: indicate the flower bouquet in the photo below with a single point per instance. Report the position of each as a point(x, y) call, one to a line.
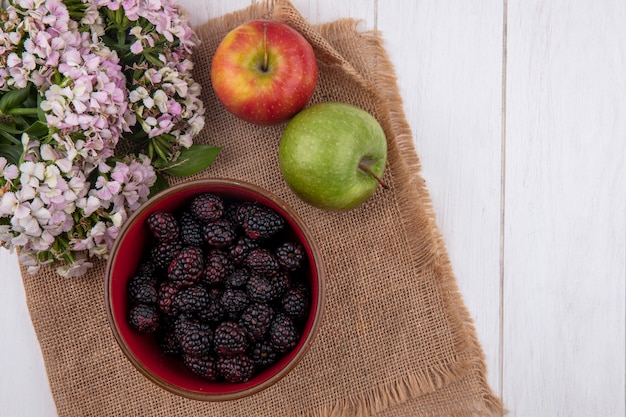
point(97, 103)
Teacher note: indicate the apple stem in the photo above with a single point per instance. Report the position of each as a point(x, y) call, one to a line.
point(369, 171)
point(265, 57)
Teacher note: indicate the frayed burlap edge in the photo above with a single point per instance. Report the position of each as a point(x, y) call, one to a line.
point(418, 220)
point(415, 219)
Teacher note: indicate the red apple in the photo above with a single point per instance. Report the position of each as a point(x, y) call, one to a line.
point(264, 72)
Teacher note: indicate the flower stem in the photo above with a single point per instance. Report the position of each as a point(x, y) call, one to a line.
point(23, 111)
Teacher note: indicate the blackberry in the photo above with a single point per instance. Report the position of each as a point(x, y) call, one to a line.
point(295, 303)
point(280, 283)
point(262, 222)
point(214, 312)
point(256, 320)
point(148, 270)
point(235, 369)
point(141, 290)
point(165, 297)
point(260, 289)
point(240, 250)
point(263, 354)
point(242, 212)
point(234, 301)
point(219, 233)
point(164, 226)
point(290, 255)
point(217, 266)
point(181, 324)
point(191, 300)
point(230, 213)
point(262, 261)
point(238, 278)
point(204, 366)
point(190, 230)
point(186, 267)
point(144, 318)
point(168, 342)
point(300, 283)
point(230, 339)
point(283, 333)
point(207, 207)
point(163, 253)
point(195, 338)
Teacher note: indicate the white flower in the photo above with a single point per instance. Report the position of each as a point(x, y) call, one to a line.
point(26, 193)
point(185, 140)
point(32, 173)
point(63, 160)
point(8, 204)
point(78, 268)
point(39, 211)
point(160, 99)
point(28, 61)
point(6, 236)
point(27, 224)
point(30, 261)
point(98, 230)
point(89, 204)
point(117, 219)
point(52, 175)
point(137, 94)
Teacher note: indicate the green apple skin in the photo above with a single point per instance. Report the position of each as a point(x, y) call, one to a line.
point(320, 152)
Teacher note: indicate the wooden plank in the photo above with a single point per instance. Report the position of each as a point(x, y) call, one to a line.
point(321, 11)
point(24, 389)
point(565, 223)
point(315, 11)
point(448, 59)
point(200, 11)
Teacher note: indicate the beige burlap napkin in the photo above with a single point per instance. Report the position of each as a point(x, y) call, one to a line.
point(396, 339)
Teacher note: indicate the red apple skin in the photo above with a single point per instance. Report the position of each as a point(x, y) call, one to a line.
point(257, 95)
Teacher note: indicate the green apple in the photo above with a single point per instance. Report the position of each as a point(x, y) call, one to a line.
point(333, 155)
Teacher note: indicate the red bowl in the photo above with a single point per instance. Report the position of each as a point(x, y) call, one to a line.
point(143, 351)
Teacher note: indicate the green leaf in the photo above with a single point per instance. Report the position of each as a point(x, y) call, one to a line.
point(40, 114)
point(10, 129)
point(37, 129)
point(160, 184)
point(152, 59)
point(10, 138)
point(13, 98)
point(11, 153)
point(193, 160)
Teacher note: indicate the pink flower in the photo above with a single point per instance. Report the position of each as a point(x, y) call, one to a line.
point(8, 171)
point(88, 107)
point(76, 269)
point(136, 47)
point(174, 107)
point(13, 60)
point(107, 189)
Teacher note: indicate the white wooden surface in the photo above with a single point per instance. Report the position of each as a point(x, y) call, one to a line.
point(518, 109)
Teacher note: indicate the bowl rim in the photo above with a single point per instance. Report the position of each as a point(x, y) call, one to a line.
point(320, 301)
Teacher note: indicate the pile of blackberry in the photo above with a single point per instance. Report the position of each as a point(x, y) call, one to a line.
point(221, 286)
